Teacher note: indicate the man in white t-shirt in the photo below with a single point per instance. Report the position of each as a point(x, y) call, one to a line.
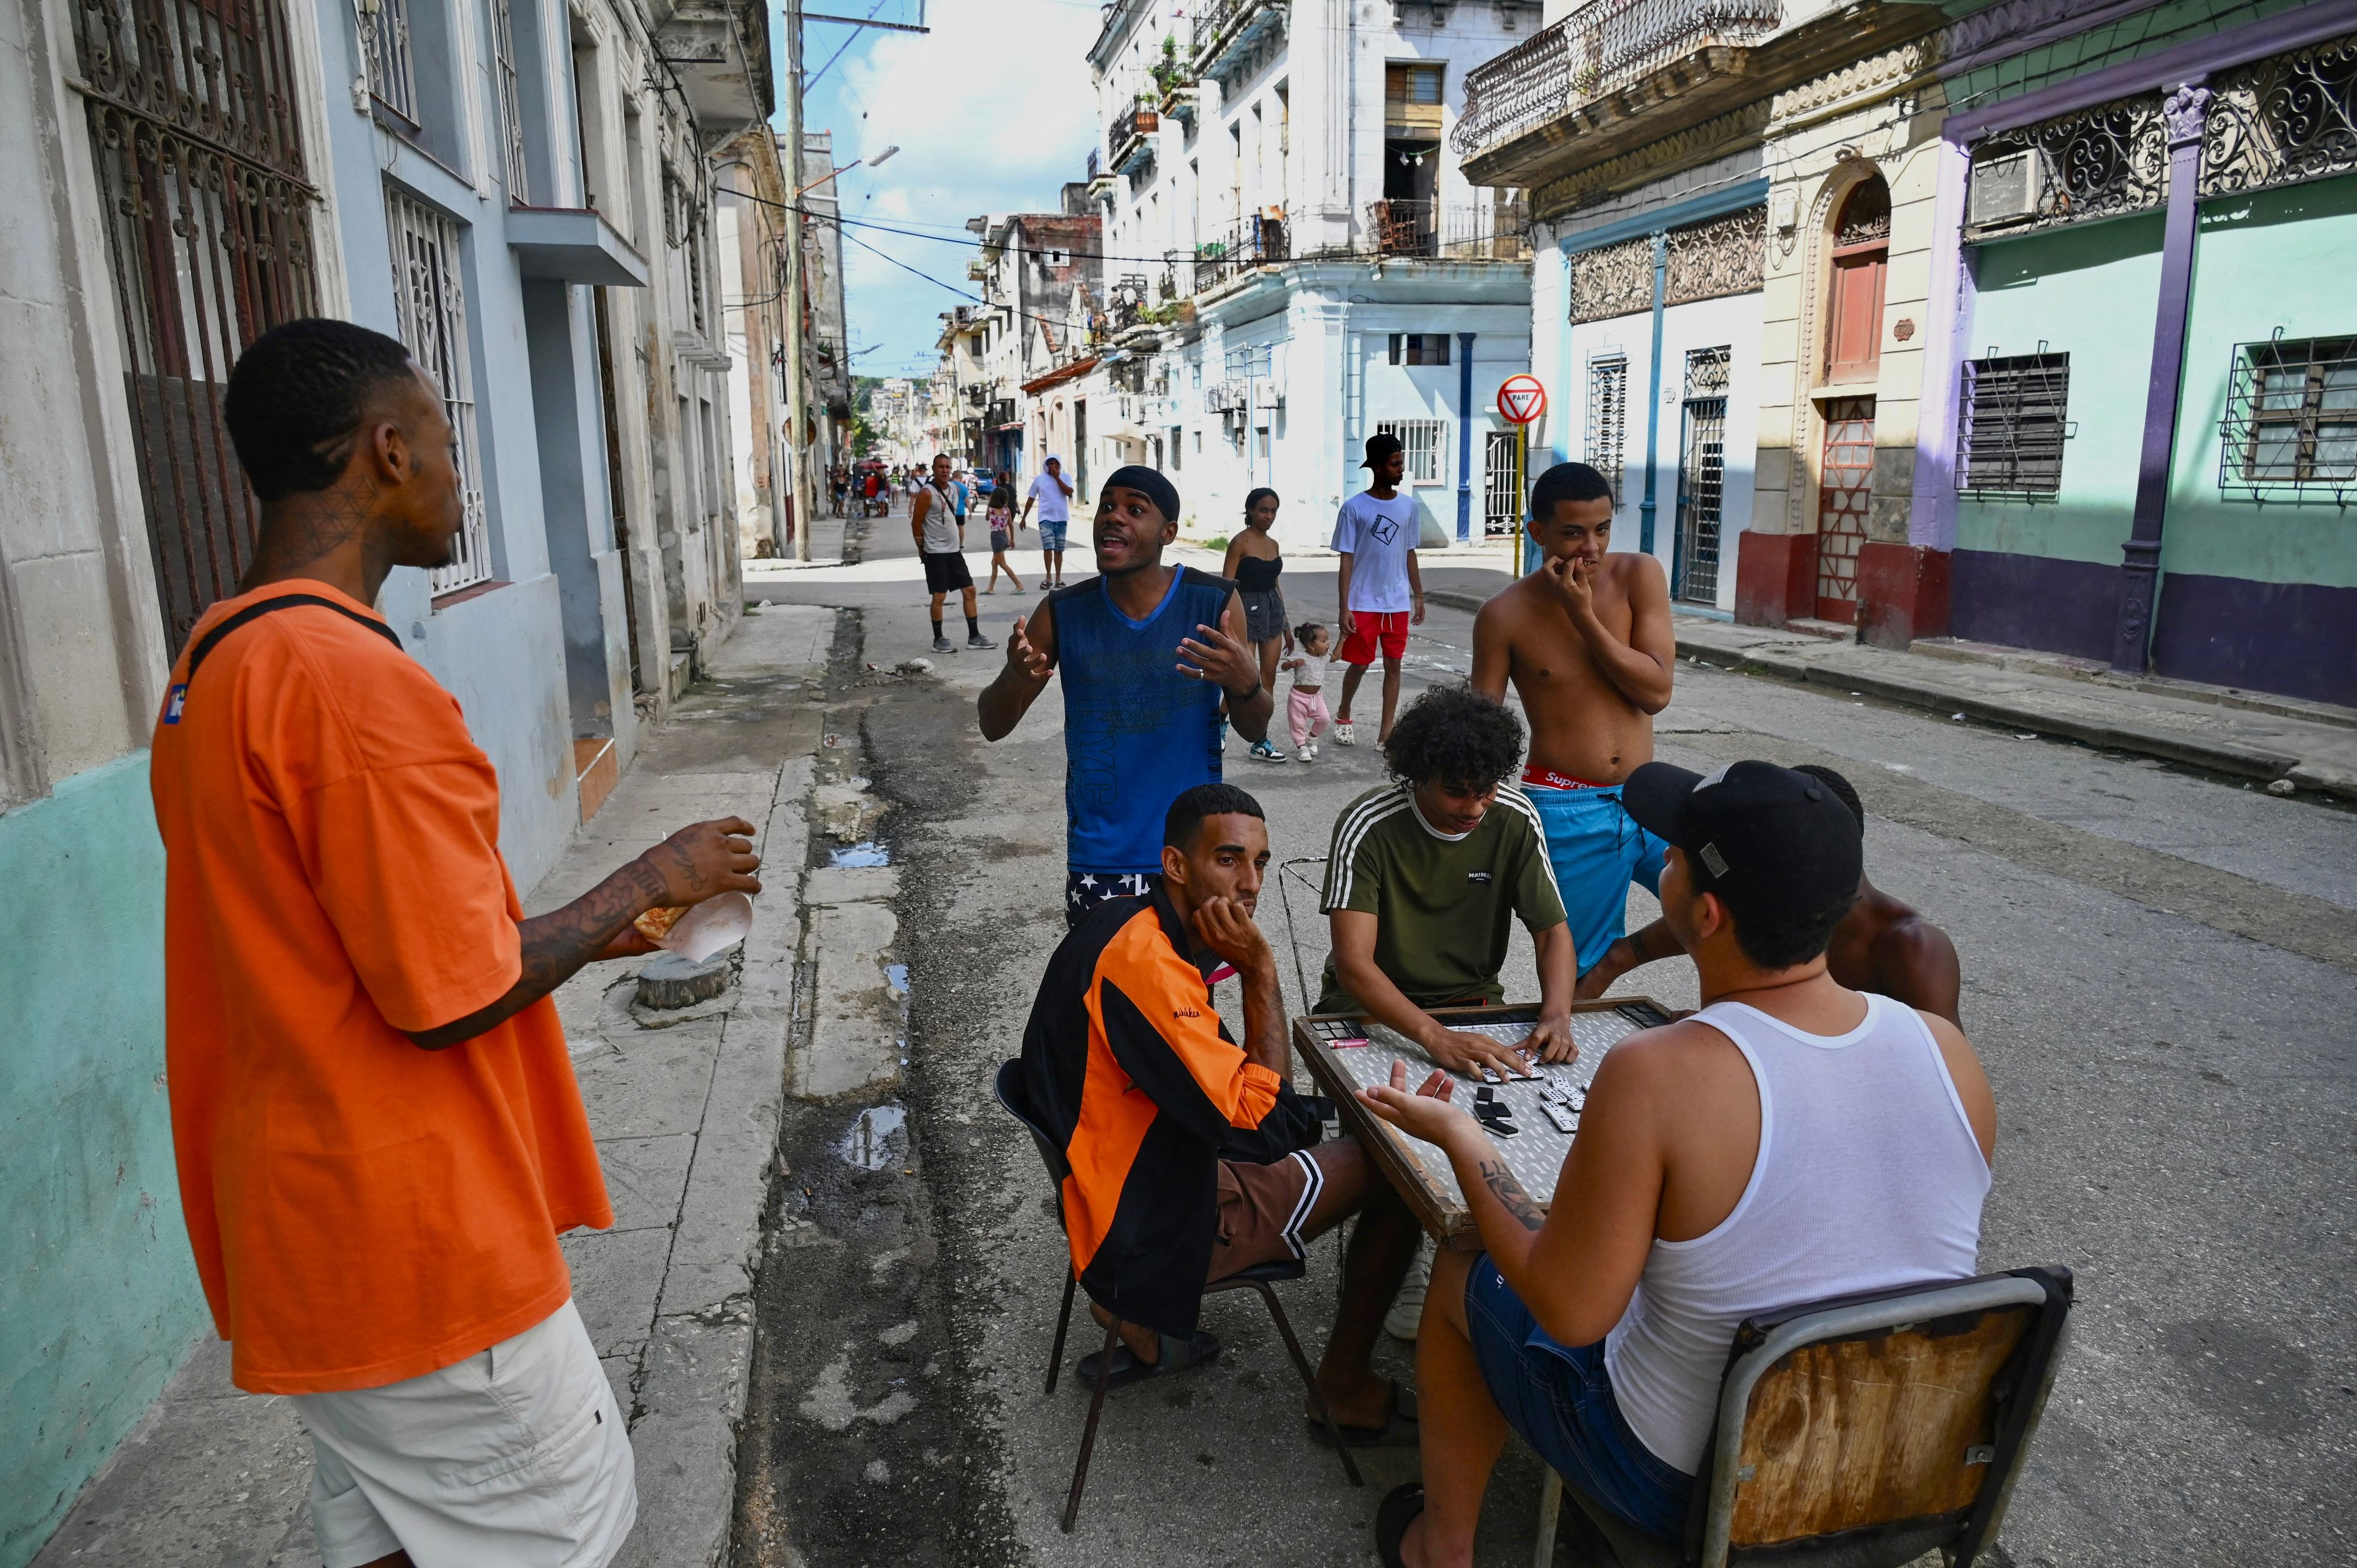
point(1053, 497)
point(1381, 592)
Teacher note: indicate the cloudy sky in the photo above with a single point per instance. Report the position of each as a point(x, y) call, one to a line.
point(992, 112)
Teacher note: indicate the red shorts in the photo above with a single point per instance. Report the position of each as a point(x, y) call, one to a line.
point(1388, 627)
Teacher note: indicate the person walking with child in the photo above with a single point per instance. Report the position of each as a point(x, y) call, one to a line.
point(1002, 533)
point(1305, 705)
point(1253, 560)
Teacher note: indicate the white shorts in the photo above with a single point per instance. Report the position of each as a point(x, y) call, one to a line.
point(517, 1456)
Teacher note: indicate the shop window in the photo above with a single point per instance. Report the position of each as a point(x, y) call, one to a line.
point(1419, 348)
point(1423, 439)
point(2011, 424)
point(2291, 417)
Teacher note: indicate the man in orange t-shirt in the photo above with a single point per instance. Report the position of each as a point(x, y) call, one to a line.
point(373, 1111)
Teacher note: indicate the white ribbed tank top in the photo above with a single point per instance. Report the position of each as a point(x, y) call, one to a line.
point(1867, 1179)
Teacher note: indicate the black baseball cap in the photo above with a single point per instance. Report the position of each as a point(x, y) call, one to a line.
point(1769, 841)
point(1380, 446)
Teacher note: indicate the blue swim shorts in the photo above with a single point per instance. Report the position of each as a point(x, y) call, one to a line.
point(1051, 535)
point(1561, 1400)
point(1596, 849)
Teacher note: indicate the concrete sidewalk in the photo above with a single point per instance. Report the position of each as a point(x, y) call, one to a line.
point(2245, 734)
point(685, 1115)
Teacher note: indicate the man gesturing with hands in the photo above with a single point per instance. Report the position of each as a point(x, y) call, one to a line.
point(374, 1115)
point(1145, 650)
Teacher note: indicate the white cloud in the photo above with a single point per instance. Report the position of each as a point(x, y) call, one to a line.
point(993, 111)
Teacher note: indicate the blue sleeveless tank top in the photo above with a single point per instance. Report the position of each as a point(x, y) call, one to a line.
point(1136, 732)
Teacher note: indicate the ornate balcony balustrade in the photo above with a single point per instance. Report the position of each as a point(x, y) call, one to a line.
point(1129, 140)
point(1484, 232)
point(1596, 50)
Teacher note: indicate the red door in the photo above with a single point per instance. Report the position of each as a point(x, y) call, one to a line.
point(1844, 487)
point(1854, 305)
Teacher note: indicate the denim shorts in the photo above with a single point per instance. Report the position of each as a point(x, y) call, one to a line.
point(1560, 1400)
point(1051, 534)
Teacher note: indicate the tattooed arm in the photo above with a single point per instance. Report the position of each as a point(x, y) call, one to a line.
point(688, 868)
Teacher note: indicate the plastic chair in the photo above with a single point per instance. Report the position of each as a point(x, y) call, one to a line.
point(1261, 1280)
point(1865, 1432)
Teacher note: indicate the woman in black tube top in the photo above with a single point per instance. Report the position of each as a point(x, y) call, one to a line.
point(1253, 560)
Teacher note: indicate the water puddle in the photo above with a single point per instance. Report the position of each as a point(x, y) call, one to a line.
point(868, 1144)
point(865, 853)
point(896, 976)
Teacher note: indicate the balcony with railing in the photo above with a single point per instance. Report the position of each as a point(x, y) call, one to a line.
point(1602, 49)
point(1227, 33)
point(1230, 253)
point(1129, 141)
point(1482, 232)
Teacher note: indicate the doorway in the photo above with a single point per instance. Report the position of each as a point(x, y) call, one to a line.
point(1701, 477)
point(1502, 484)
point(1843, 488)
point(1861, 263)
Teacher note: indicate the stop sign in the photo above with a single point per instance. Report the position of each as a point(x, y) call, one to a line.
point(1520, 399)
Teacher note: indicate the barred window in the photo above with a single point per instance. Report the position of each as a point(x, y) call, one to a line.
point(1423, 440)
point(2011, 424)
point(1419, 348)
point(503, 53)
point(1607, 417)
point(2291, 415)
point(432, 309)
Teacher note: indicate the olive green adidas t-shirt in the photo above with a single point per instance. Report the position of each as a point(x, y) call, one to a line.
point(1440, 907)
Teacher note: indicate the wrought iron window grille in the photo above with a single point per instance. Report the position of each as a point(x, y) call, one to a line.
point(2106, 162)
point(1706, 371)
point(2011, 424)
point(2282, 121)
point(1724, 256)
point(2290, 427)
point(1613, 280)
point(392, 76)
point(207, 210)
point(1423, 441)
point(1608, 417)
point(431, 305)
point(510, 102)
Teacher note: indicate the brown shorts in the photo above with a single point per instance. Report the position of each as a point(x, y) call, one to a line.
point(1262, 1212)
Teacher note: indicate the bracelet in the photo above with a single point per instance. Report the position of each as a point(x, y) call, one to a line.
point(1247, 697)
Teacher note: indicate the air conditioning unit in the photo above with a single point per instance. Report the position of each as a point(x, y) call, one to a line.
point(2005, 189)
point(1267, 394)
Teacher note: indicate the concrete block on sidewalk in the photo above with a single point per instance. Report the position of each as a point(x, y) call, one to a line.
point(857, 1028)
point(719, 1241)
point(855, 883)
point(654, 1082)
point(646, 1177)
point(692, 1397)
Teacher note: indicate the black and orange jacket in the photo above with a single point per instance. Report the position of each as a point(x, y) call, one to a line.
point(1128, 1066)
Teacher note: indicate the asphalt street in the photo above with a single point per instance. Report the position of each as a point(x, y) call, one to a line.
point(2167, 1036)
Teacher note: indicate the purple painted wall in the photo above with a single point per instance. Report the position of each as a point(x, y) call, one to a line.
point(2034, 601)
point(2295, 638)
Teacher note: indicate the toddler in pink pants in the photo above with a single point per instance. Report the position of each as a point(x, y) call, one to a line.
point(1305, 706)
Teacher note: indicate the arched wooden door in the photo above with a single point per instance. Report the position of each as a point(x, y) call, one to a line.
point(1861, 266)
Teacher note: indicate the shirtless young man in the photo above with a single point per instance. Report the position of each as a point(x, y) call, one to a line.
point(1881, 945)
point(1586, 639)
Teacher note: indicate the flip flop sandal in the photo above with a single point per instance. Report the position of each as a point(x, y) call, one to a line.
point(1399, 1429)
point(1398, 1509)
point(1178, 1355)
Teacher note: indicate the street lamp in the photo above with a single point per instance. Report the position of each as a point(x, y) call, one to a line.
point(846, 168)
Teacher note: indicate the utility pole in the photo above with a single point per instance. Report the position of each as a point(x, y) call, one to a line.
point(797, 414)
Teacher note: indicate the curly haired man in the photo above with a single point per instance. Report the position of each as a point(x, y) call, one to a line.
point(1423, 875)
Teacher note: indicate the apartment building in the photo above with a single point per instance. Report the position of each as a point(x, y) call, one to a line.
point(518, 189)
point(1294, 259)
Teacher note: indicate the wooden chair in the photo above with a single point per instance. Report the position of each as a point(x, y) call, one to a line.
point(1864, 1433)
point(1260, 1280)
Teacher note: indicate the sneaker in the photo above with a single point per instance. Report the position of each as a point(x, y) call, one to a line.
point(1345, 735)
point(1264, 752)
point(1308, 753)
point(943, 645)
point(1408, 1310)
point(980, 643)
point(1223, 735)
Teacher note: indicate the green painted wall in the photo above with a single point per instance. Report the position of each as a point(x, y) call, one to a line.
point(98, 1296)
point(2132, 37)
point(2278, 260)
point(2088, 290)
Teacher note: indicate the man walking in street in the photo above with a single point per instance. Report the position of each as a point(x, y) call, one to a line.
point(374, 1116)
point(937, 519)
point(1146, 651)
point(1587, 641)
point(1381, 592)
point(1054, 499)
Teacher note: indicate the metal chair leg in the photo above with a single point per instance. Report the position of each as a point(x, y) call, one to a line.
point(1089, 1433)
point(1063, 1321)
point(1309, 1381)
point(1549, 1510)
